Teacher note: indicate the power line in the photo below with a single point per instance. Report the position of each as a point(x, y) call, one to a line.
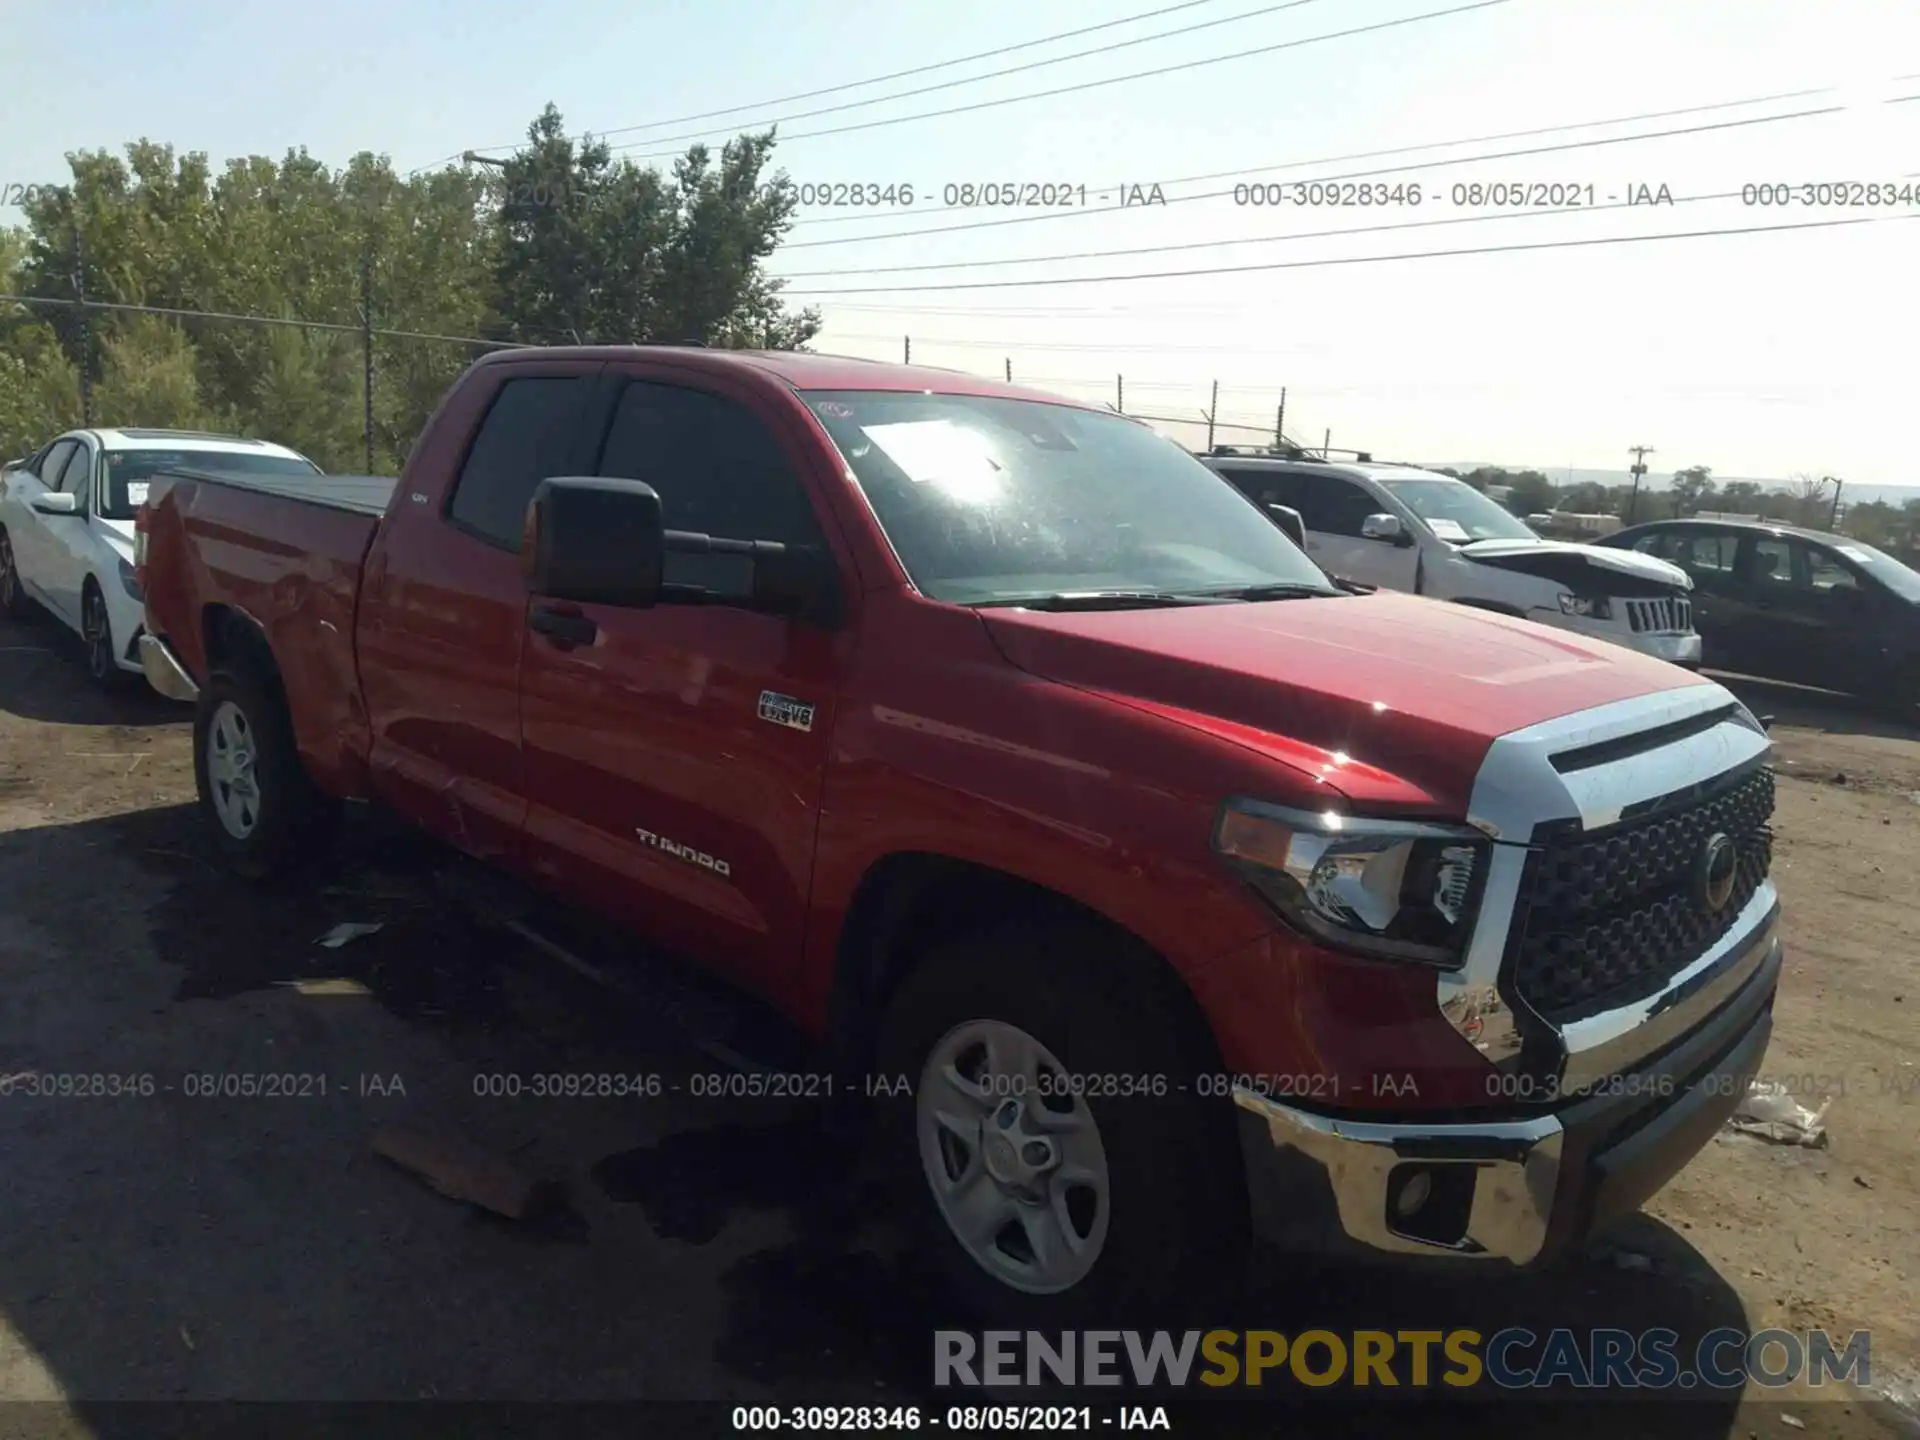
point(695, 135)
point(876, 80)
point(260, 320)
point(1349, 259)
point(1380, 154)
point(1251, 239)
point(1116, 79)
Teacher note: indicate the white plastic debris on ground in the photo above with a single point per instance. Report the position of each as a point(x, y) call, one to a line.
point(1770, 1113)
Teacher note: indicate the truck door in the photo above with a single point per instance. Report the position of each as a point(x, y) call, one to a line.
point(443, 605)
point(675, 756)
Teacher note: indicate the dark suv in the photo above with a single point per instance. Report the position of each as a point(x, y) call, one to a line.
point(1797, 605)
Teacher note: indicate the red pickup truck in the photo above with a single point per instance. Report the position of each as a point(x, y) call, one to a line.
point(1008, 749)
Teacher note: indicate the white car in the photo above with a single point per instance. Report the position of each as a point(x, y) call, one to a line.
point(1403, 528)
point(66, 526)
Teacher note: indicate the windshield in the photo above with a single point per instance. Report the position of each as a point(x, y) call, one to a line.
point(988, 500)
point(1901, 579)
point(129, 472)
point(1455, 511)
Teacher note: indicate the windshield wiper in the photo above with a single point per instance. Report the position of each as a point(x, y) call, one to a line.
point(1279, 590)
point(1102, 600)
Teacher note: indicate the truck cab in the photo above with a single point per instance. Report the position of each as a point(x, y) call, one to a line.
point(1404, 528)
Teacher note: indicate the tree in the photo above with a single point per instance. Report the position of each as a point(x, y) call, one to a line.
point(597, 250)
point(1690, 488)
point(1810, 505)
point(148, 378)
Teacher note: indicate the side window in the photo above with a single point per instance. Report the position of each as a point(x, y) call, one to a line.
point(1336, 506)
point(53, 460)
point(1659, 544)
point(79, 471)
point(1773, 566)
point(718, 470)
point(1265, 487)
point(1827, 573)
point(1706, 553)
point(529, 434)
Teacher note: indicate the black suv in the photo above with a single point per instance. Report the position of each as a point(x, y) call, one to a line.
point(1797, 605)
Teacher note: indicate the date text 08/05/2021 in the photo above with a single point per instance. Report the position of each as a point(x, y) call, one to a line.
point(961, 1419)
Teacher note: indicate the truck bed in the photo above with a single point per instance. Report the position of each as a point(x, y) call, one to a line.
point(361, 494)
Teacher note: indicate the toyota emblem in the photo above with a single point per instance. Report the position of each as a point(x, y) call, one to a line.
point(1718, 868)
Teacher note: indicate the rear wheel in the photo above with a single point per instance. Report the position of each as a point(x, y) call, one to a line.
point(265, 811)
point(1054, 1152)
point(15, 603)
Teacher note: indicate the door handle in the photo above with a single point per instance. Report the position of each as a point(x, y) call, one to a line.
point(564, 627)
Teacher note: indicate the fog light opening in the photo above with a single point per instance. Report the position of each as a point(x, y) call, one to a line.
point(1431, 1203)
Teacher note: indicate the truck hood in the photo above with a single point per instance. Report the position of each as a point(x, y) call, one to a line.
point(1574, 564)
point(1416, 688)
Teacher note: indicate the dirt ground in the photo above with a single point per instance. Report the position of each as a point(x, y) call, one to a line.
point(172, 1247)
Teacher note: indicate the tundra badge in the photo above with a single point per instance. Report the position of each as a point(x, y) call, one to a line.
point(779, 709)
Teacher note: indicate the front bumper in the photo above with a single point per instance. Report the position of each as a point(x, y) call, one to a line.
point(1675, 647)
point(1520, 1187)
point(164, 671)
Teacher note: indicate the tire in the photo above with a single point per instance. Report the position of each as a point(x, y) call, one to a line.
point(1174, 1224)
point(276, 816)
point(96, 632)
point(15, 603)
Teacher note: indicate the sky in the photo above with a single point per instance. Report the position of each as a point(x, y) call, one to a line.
point(1767, 355)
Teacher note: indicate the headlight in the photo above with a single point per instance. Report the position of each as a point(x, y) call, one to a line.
point(1387, 889)
point(1581, 605)
point(127, 581)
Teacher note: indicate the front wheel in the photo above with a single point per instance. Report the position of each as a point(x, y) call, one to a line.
point(15, 603)
point(96, 629)
point(1055, 1150)
point(265, 811)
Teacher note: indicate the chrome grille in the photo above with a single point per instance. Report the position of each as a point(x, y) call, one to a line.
point(1671, 615)
point(1607, 917)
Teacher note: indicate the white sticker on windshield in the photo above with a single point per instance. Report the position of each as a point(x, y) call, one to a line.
point(1449, 529)
point(940, 453)
point(136, 492)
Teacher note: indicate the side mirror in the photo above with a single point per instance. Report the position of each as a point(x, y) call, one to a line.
point(594, 540)
point(599, 541)
point(55, 502)
point(1289, 520)
point(1385, 527)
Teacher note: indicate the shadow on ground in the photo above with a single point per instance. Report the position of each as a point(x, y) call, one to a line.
point(184, 1252)
point(43, 676)
point(1821, 710)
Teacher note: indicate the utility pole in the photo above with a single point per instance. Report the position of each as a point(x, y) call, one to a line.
point(1833, 519)
point(366, 344)
point(1639, 453)
point(86, 333)
point(1009, 369)
point(1213, 409)
point(1326, 444)
point(1120, 394)
point(1280, 421)
point(906, 349)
